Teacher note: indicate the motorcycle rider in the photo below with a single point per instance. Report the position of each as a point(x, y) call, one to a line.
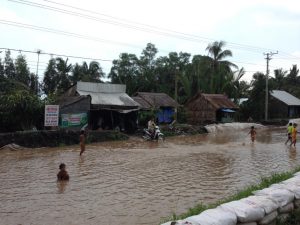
point(151, 126)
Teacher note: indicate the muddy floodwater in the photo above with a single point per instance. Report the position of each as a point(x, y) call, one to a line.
point(136, 182)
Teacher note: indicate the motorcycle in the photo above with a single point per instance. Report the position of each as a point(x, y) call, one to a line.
point(156, 135)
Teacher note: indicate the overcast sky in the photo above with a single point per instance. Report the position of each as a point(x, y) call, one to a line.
point(103, 29)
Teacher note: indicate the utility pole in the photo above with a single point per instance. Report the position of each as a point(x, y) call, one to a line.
point(37, 71)
point(175, 94)
point(269, 54)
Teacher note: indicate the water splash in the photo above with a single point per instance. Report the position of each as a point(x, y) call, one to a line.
point(214, 128)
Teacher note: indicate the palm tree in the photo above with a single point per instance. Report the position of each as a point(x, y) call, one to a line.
point(279, 78)
point(219, 67)
point(63, 78)
point(88, 73)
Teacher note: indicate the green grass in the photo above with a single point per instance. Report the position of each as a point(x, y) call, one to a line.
point(264, 183)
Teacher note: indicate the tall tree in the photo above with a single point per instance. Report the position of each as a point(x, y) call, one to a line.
point(219, 67)
point(88, 73)
point(1, 69)
point(147, 66)
point(50, 78)
point(9, 67)
point(279, 78)
point(22, 70)
point(125, 70)
point(63, 77)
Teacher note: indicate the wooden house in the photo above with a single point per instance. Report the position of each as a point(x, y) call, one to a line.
point(283, 105)
point(210, 108)
point(106, 106)
point(163, 103)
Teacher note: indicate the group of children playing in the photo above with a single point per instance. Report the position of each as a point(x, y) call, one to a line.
point(63, 174)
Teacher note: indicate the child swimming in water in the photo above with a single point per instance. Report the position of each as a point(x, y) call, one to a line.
point(62, 174)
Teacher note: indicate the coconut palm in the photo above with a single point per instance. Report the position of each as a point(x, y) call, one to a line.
point(219, 67)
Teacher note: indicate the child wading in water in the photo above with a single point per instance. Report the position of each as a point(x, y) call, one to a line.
point(62, 174)
point(82, 142)
point(294, 135)
point(252, 133)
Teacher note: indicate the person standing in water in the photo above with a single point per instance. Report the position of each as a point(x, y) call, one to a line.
point(252, 133)
point(294, 135)
point(82, 142)
point(62, 174)
point(289, 133)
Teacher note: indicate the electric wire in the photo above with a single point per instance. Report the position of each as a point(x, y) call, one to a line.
point(146, 28)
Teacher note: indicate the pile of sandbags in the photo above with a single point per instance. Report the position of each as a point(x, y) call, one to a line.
point(261, 208)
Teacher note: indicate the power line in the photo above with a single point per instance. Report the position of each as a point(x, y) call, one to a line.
point(139, 26)
point(55, 54)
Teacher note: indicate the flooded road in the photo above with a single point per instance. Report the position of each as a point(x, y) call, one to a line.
point(135, 182)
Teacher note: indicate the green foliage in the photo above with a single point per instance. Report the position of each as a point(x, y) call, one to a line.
point(292, 219)
point(20, 110)
point(145, 116)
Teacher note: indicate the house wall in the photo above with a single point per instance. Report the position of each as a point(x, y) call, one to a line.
point(200, 111)
point(277, 109)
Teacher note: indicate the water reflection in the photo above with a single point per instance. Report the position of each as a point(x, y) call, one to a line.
point(62, 185)
point(136, 182)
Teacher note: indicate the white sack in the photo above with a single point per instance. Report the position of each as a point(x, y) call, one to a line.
point(264, 202)
point(181, 222)
point(268, 218)
point(292, 187)
point(250, 223)
point(245, 212)
point(293, 180)
point(287, 208)
point(216, 216)
point(282, 196)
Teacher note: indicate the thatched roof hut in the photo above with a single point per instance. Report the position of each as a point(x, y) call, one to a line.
point(206, 108)
point(158, 101)
point(149, 100)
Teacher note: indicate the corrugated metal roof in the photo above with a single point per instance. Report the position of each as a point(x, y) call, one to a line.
point(114, 99)
point(285, 97)
point(157, 99)
point(100, 87)
point(106, 94)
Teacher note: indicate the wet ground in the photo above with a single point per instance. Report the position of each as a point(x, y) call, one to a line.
point(135, 182)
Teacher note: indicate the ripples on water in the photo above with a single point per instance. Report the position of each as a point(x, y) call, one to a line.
point(135, 182)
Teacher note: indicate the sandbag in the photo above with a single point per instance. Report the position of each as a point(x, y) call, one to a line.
point(181, 222)
point(287, 208)
point(297, 203)
point(292, 187)
point(245, 212)
point(282, 196)
point(268, 218)
point(216, 216)
point(250, 223)
point(264, 202)
point(293, 180)
point(297, 174)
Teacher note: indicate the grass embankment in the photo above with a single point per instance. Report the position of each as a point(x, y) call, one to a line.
point(265, 182)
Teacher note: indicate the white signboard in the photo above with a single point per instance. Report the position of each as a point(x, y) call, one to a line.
point(51, 115)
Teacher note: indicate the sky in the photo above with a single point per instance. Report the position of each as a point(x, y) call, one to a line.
point(102, 30)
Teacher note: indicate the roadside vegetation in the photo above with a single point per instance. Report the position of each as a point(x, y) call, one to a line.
point(22, 108)
point(264, 183)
